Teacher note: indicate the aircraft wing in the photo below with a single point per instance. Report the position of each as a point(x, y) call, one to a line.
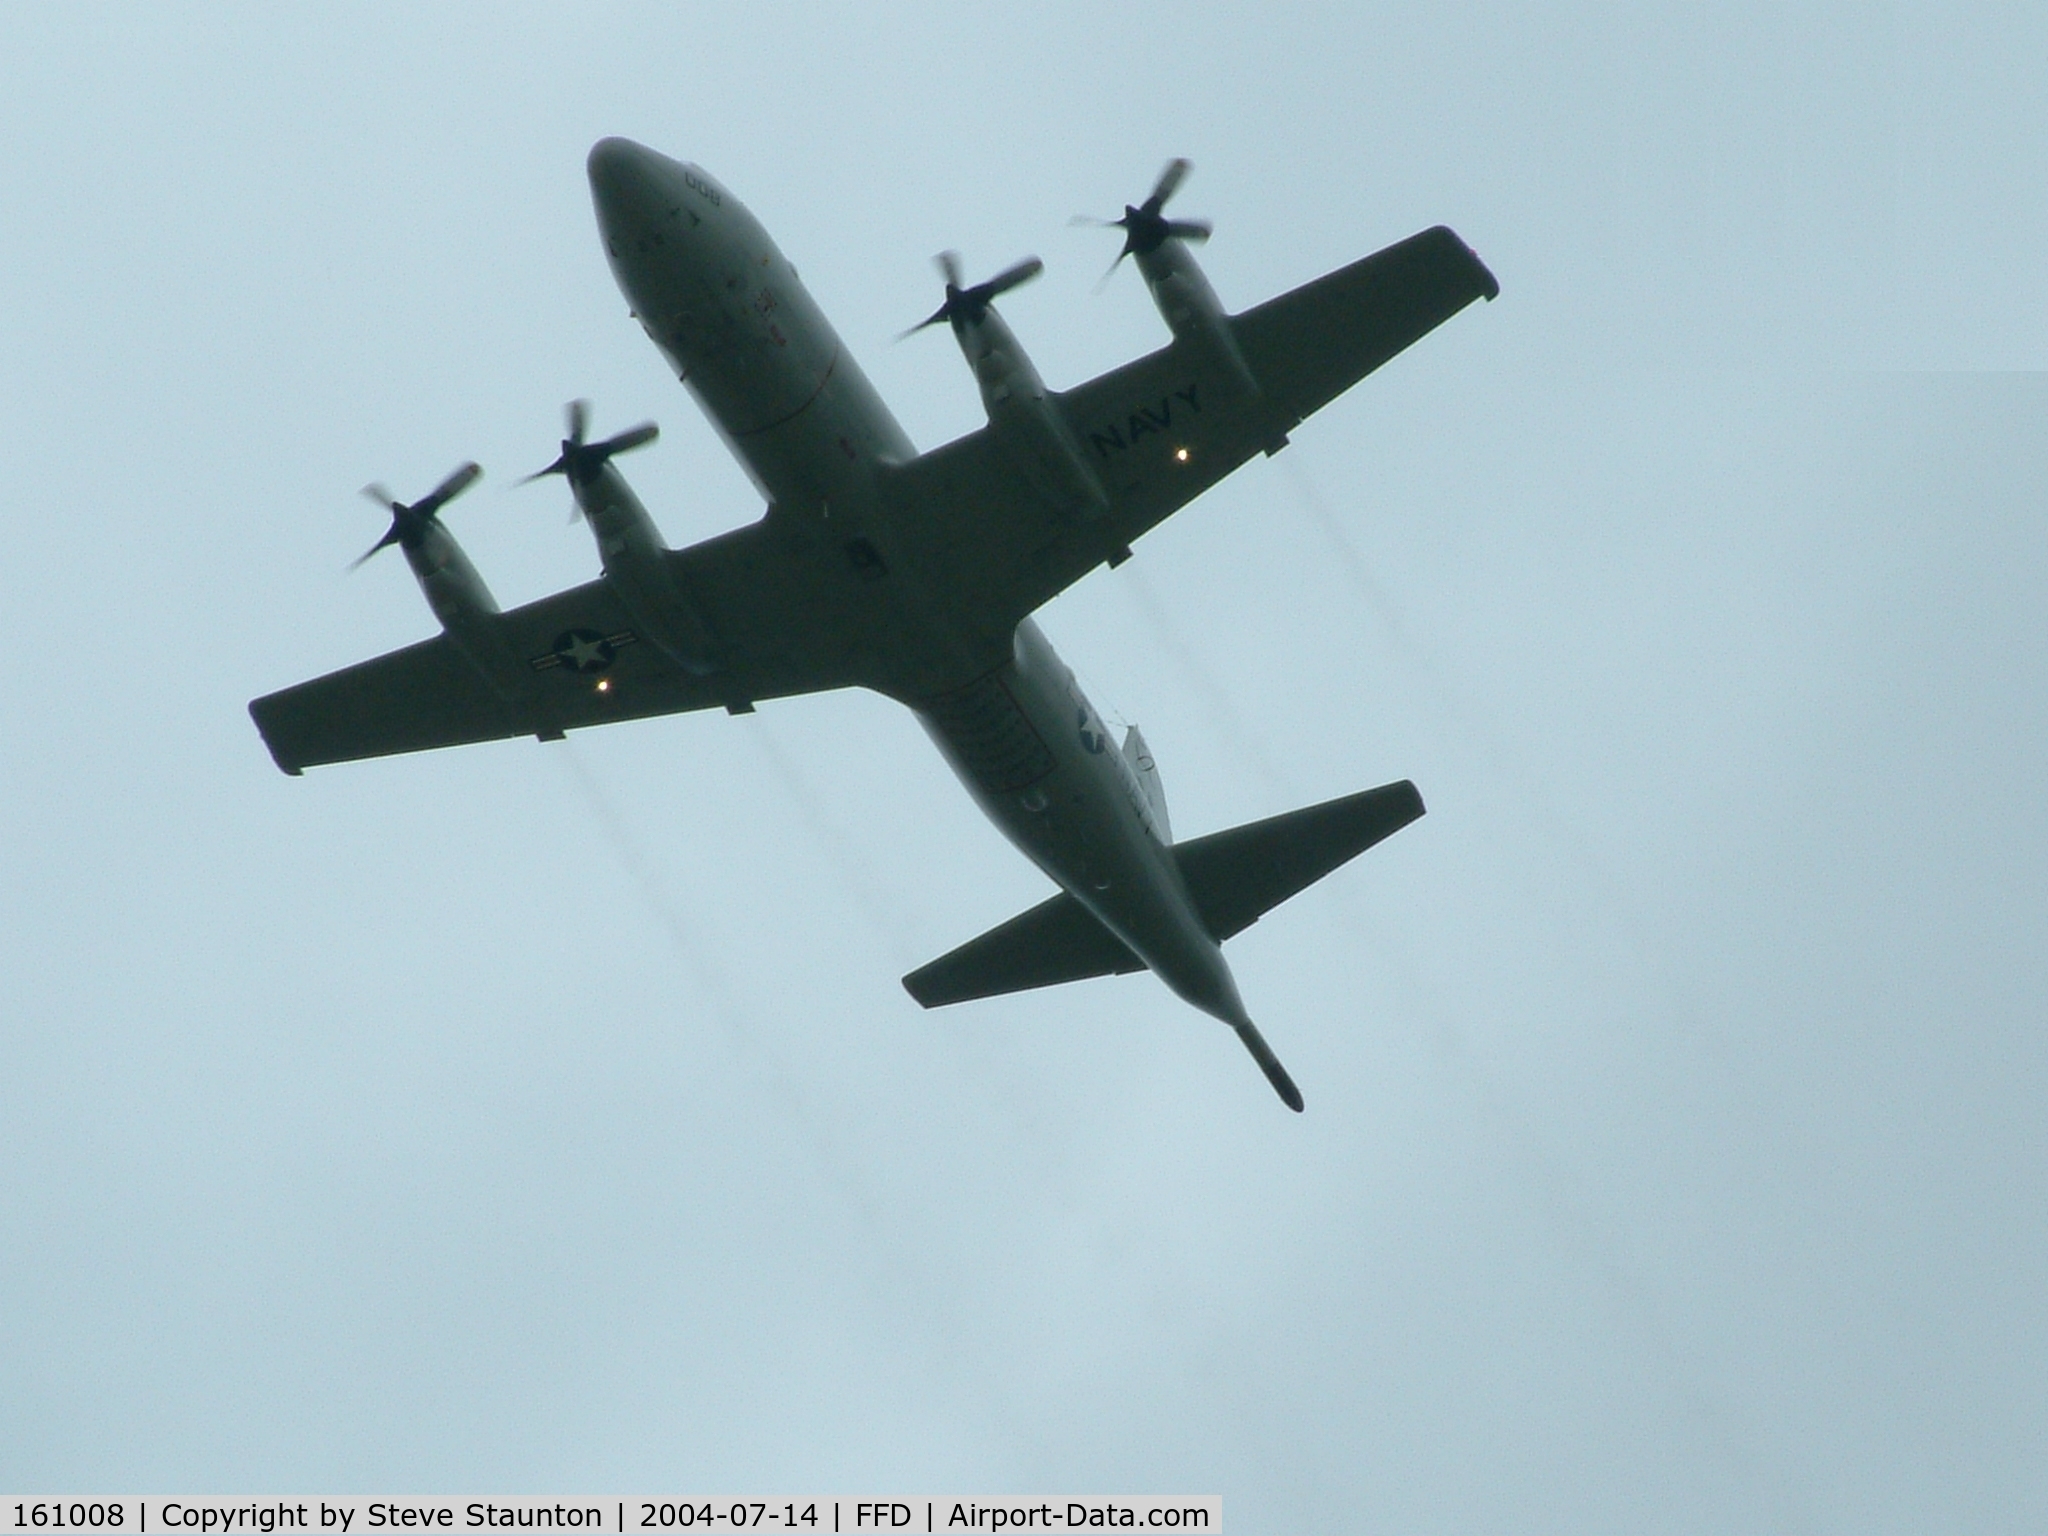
point(575, 659)
point(1161, 430)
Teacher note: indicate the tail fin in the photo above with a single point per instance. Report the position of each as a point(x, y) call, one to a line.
point(1139, 756)
point(1235, 877)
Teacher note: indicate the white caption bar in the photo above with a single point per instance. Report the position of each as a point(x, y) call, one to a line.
point(132, 1515)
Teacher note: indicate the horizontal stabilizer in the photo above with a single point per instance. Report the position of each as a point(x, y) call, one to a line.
point(1057, 940)
point(1235, 877)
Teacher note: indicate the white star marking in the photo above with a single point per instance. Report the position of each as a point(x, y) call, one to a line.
point(585, 654)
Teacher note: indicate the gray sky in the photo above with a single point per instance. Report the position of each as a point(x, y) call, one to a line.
point(529, 1118)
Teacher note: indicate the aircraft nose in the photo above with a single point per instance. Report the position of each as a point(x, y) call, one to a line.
point(620, 171)
point(632, 190)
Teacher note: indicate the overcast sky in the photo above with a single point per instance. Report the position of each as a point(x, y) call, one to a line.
point(532, 1118)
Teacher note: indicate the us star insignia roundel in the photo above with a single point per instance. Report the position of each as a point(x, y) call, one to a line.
point(584, 650)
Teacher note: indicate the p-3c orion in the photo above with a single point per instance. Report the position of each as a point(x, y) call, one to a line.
point(912, 574)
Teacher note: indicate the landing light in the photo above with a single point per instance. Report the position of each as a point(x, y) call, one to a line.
point(1181, 454)
point(604, 685)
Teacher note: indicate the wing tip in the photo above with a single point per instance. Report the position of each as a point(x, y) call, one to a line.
point(285, 765)
point(1489, 285)
point(1485, 284)
point(1405, 791)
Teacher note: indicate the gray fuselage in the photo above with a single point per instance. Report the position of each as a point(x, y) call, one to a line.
point(726, 309)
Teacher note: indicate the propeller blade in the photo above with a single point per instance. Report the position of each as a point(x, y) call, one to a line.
point(1089, 221)
point(439, 497)
point(579, 458)
point(1169, 183)
point(390, 538)
point(1010, 277)
point(966, 306)
point(628, 440)
point(1145, 228)
point(409, 522)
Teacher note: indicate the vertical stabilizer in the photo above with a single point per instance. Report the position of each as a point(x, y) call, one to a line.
point(1139, 756)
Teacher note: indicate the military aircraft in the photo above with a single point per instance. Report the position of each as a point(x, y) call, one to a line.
point(914, 575)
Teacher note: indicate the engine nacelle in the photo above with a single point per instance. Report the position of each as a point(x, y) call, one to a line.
point(458, 596)
point(1150, 796)
point(637, 565)
point(1025, 420)
point(1192, 311)
point(465, 607)
point(453, 588)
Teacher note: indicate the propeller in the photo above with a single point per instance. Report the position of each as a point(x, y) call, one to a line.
point(579, 460)
point(1145, 227)
point(409, 523)
point(966, 306)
